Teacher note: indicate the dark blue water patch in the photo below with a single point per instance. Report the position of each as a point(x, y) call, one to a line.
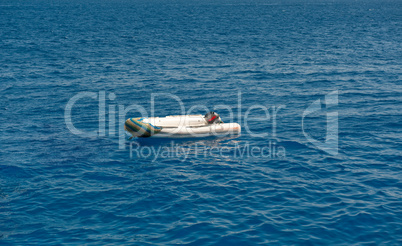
point(57, 187)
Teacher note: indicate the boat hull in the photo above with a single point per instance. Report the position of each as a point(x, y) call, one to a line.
point(182, 126)
point(222, 129)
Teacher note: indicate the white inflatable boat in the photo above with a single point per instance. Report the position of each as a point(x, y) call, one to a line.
point(181, 126)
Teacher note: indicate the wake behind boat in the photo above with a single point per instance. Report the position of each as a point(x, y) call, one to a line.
point(180, 126)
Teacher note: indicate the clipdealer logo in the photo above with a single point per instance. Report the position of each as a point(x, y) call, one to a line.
point(330, 144)
point(112, 116)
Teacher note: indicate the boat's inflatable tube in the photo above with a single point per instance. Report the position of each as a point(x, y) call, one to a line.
point(177, 121)
point(179, 126)
point(203, 131)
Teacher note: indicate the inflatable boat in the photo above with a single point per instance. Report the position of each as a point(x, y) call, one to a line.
point(180, 126)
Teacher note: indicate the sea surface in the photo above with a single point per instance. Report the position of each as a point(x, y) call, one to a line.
point(71, 72)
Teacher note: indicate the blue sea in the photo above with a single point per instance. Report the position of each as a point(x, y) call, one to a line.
point(315, 85)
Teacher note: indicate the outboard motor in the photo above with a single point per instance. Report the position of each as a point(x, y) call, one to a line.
point(212, 118)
